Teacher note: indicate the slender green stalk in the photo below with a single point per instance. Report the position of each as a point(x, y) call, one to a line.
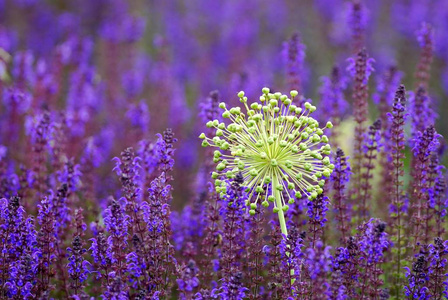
point(278, 203)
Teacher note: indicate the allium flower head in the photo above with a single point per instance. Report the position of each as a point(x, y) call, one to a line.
point(280, 151)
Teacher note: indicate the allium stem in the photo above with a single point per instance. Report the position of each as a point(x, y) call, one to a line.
point(278, 203)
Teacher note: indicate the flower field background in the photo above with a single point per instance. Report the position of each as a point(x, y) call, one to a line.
point(106, 192)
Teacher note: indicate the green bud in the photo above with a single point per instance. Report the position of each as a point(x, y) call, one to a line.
point(277, 95)
point(304, 135)
point(313, 108)
point(215, 175)
point(294, 93)
point(205, 143)
point(307, 105)
point(235, 110)
point(298, 110)
point(209, 124)
point(267, 180)
point(226, 114)
point(291, 201)
point(225, 146)
point(285, 208)
point(283, 143)
point(321, 183)
point(222, 126)
point(295, 149)
point(230, 175)
point(298, 195)
point(253, 205)
point(220, 167)
point(259, 189)
point(241, 94)
point(274, 162)
point(287, 102)
point(279, 188)
point(253, 172)
point(271, 198)
point(275, 210)
point(324, 139)
point(252, 212)
point(219, 132)
point(265, 203)
point(273, 102)
point(265, 90)
point(299, 176)
point(329, 124)
point(222, 105)
point(276, 109)
point(290, 186)
point(202, 136)
point(326, 173)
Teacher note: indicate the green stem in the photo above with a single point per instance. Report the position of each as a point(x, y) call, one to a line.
point(279, 204)
point(281, 216)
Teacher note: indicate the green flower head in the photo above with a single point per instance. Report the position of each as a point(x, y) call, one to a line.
point(280, 150)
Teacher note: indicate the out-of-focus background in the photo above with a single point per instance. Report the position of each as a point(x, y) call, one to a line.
point(120, 71)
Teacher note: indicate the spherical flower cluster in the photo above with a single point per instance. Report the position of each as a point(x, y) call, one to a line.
point(280, 150)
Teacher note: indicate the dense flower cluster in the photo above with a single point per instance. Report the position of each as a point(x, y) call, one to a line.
point(106, 192)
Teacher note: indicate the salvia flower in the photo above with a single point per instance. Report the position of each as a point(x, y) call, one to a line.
point(275, 147)
point(417, 279)
point(78, 268)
